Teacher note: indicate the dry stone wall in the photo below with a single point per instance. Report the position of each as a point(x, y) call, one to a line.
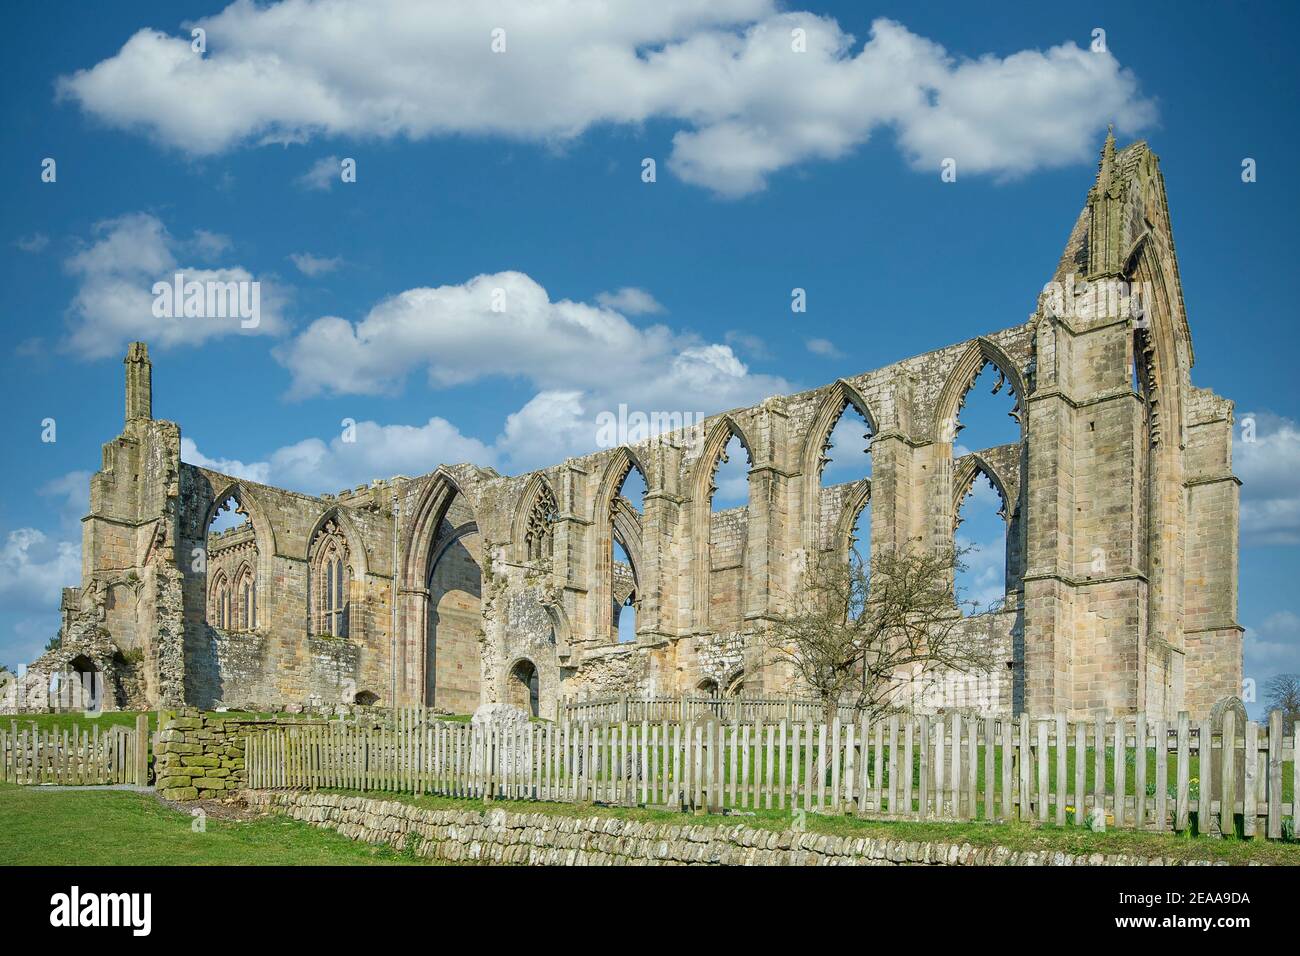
point(538, 839)
point(200, 756)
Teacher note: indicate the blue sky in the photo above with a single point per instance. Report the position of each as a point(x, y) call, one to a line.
point(525, 167)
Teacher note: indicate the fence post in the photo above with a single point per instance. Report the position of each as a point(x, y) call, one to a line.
point(1275, 775)
point(142, 746)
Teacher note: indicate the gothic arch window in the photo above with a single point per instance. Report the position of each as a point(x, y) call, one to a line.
point(626, 506)
point(245, 599)
point(982, 389)
point(231, 556)
point(720, 527)
point(729, 477)
point(981, 530)
point(539, 527)
point(331, 580)
point(219, 608)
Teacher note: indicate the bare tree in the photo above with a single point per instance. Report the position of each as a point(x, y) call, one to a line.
point(1284, 695)
point(855, 633)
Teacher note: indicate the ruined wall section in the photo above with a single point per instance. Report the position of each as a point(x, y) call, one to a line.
point(284, 660)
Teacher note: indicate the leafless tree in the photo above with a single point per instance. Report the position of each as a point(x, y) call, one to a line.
point(1284, 695)
point(855, 633)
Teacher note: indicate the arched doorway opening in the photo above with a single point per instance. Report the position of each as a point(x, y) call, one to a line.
point(454, 621)
point(524, 688)
point(86, 684)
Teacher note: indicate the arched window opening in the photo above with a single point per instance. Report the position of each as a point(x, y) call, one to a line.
point(626, 508)
point(736, 686)
point(219, 601)
point(231, 563)
point(633, 489)
point(625, 595)
point(988, 414)
point(331, 579)
point(245, 591)
point(525, 688)
point(230, 514)
point(539, 534)
point(366, 698)
point(981, 534)
point(707, 687)
point(846, 452)
point(860, 536)
point(730, 486)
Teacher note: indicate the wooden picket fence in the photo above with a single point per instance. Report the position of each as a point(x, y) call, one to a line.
point(739, 709)
point(76, 757)
point(1140, 773)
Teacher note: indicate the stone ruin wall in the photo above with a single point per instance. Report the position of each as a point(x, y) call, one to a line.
point(1120, 503)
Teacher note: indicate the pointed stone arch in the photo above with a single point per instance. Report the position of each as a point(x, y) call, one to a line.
point(957, 386)
point(226, 560)
point(535, 520)
point(968, 471)
point(348, 528)
point(853, 505)
point(334, 541)
point(702, 489)
point(614, 520)
point(812, 458)
point(219, 600)
point(963, 481)
point(252, 506)
point(244, 591)
point(427, 536)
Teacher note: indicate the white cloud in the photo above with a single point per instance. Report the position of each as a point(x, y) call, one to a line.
point(34, 569)
point(1267, 467)
point(1272, 648)
point(823, 347)
point(316, 466)
point(727, 75)
point(114, 301)
point(321, 175)
point(630, 301)
point(582, 359)
point(310, 265)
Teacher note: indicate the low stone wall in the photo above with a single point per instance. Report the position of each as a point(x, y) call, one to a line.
point(538, 839)
point(198, 757)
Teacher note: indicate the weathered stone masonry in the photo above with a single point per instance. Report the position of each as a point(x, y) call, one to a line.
point(537, 839)
point(463, 586)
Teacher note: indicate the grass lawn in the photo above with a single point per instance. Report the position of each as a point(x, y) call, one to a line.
point(1016, 836)
point(119, 828)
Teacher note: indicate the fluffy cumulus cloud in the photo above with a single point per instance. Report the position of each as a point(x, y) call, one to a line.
point(1266, 457)
point(588, 364)
point(115, 302)
point(630, 301)
point(359, 453)
point(34, 568)
point(751, 90)
point(584, 359)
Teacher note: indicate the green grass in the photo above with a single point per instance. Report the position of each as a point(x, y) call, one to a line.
point(1015, 836)
point(118, 828)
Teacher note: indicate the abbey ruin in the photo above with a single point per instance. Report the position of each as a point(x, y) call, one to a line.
point(465, 586)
